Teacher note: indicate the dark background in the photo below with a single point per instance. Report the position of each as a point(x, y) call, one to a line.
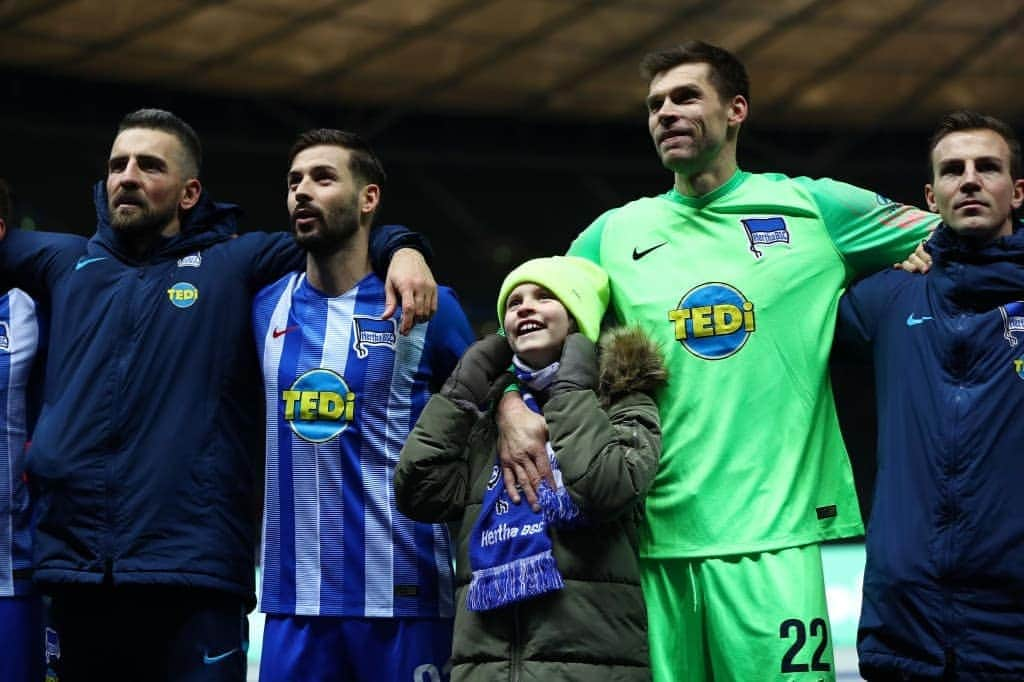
point(488, 191)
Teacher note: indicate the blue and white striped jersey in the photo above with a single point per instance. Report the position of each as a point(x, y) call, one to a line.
point(343, 389)
point(19, 341)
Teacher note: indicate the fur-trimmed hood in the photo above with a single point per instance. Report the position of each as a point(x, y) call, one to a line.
point(630, 361)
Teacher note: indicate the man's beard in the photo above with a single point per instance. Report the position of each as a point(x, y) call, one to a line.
point(337, 228)
point(146, 220)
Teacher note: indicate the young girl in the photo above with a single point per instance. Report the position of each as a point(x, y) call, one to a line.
point(554, 594)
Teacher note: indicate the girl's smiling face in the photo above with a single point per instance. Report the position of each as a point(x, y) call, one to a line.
point(536, 324)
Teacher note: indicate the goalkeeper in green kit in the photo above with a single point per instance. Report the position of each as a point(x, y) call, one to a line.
point(738, 276)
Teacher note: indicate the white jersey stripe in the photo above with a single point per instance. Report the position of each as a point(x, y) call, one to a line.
point(306, 480)
point(331, 467)
point(8, 455)
point(21, 341)
point(396, 428)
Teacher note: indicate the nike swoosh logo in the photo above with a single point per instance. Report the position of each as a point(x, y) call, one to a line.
point(82, 262)
point(210, 660)
point(637, 255)
point(282, 332)
point(914, 321)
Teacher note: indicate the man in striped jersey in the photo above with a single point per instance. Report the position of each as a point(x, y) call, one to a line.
point(21, 631)
point(352, 589)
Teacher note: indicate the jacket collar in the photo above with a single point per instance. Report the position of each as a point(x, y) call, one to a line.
point(978, 277)
point(207, 223)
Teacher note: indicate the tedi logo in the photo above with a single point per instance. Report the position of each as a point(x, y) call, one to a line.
point(319, 405)
point(183, 295)
point(1018, 366)
point(713, 320)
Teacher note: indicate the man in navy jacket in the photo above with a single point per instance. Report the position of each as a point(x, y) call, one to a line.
point(144, 456)
point(944, 582)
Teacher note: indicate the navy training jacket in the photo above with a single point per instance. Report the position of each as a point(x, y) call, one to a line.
point(145, 453)
point(944, 581)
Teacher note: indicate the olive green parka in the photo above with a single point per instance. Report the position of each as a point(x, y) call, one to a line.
point(607, 444)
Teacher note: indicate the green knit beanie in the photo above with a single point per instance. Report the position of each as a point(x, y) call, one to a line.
point(580, 285)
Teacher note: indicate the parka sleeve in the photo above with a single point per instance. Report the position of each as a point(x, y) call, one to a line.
point(608, 459)
point(34, 261)
point(386, 239)
point(432, 477)
point(267, 257)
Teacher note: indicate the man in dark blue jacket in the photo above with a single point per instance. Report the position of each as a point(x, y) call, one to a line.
point(944, 582)
point(144, 456)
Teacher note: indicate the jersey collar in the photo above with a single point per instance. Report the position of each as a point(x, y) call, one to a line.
point(703, 200)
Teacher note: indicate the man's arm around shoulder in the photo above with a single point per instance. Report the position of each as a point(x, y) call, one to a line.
point(34, 261)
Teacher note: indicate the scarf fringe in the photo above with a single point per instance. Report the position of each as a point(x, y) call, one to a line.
point(558, 507)
point(492, 588)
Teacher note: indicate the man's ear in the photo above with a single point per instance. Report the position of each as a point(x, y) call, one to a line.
point(929, 199)
point(738, 110)
point(3, 229)
point(369, 199)
point(190, 196)
point(1016, 201)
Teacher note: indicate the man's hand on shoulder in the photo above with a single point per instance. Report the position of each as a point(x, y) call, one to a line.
point(920, 261)
point(410, 281)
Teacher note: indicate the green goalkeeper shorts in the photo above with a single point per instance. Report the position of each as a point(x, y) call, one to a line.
point(752, 617)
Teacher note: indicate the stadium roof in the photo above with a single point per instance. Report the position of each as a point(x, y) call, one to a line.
point(828, 63)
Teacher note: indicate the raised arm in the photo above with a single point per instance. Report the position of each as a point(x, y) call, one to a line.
point(870, 231)
point(33, 261)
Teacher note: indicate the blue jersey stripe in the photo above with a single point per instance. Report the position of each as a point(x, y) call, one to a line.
point(270, 317)
point(286, 369)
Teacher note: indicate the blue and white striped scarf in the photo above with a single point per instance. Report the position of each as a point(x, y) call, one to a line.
point(510, 550)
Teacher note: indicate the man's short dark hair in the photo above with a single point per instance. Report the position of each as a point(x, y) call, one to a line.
point(363, 162)
point(5, 201)
point(165, 121)
point(727, 73)
point(965, 119)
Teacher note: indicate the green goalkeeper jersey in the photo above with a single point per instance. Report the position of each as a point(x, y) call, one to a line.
point(740, 287)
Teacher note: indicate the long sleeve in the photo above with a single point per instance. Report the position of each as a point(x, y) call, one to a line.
point(386, 239)
point(432, 477)
point(869, 231)
point(33, 261)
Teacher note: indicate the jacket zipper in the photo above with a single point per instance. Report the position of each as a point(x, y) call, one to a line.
point(115, 440)
point(960, 408)
point(112, 442)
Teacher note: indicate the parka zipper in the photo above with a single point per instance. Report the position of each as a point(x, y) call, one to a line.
point(953, 470)
point(115, 441)
point(515, 653)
